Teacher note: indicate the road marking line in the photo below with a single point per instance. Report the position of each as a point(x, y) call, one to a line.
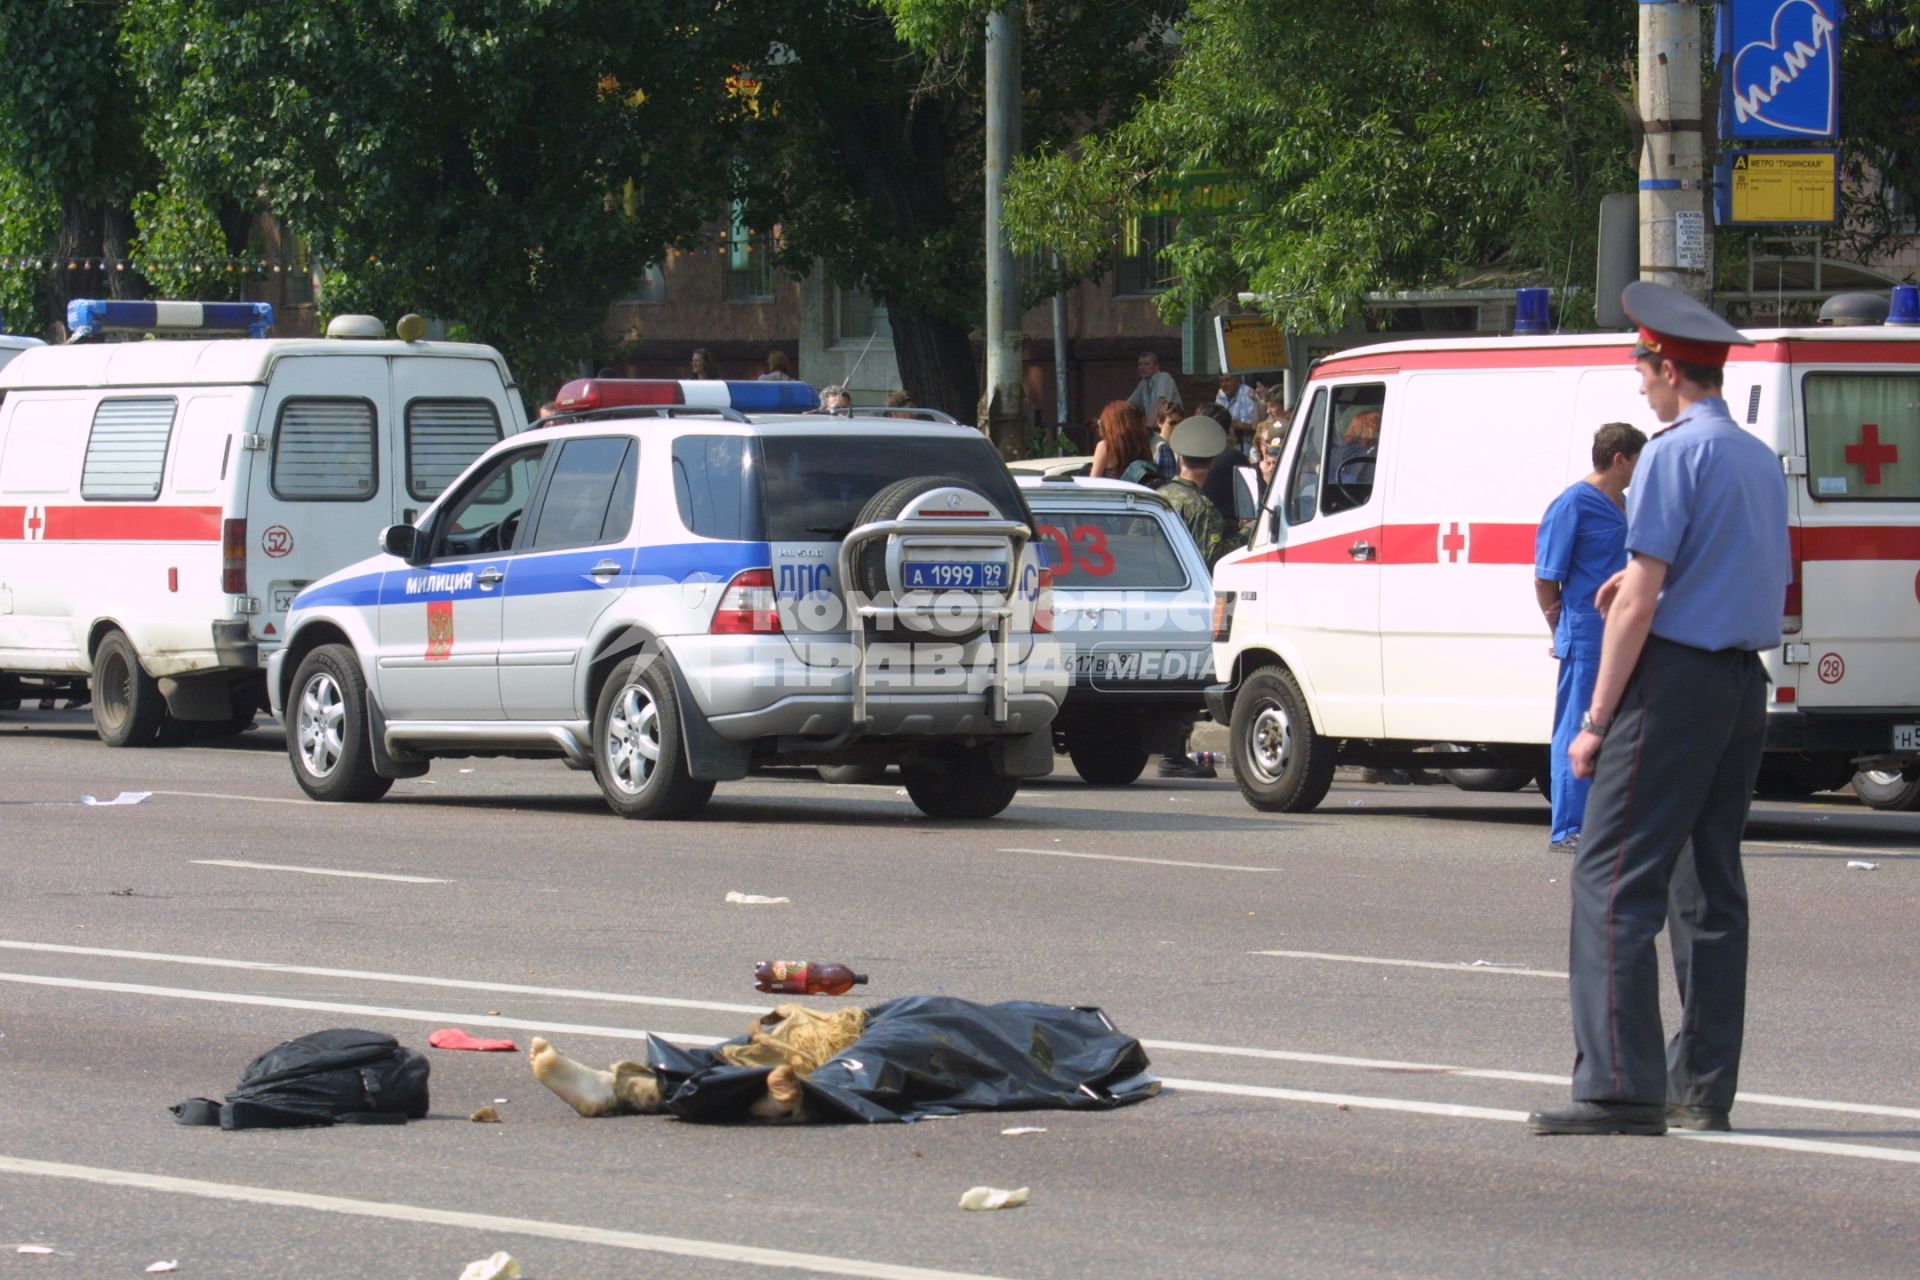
point(1415, 964)
point(614, 997)
point(1810, 1146)
point(1802, 847)
point(334, 1006)
point(314, 871)
point(221, 795)
point(1158, 862)
point(404, 979)
point(643, 1242)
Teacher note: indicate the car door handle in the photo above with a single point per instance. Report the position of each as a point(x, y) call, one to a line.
point(1362, 550)
point(605, 569)
point(490, 577)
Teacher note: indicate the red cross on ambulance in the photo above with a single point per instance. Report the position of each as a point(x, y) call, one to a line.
point(1453, 543)
point(35, 526)
point(1870, 455)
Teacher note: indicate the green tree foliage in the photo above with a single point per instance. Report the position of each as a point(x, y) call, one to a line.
point(1879, 125)
point(1377, 145)
point(470, 162)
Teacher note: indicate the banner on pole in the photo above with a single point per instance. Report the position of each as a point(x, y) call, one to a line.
point(1780, 62)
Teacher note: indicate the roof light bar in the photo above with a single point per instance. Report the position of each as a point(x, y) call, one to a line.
point(89, 316)
point(751, 397)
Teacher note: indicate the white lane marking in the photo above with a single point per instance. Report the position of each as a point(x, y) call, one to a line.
point(1415, 964)
point(313, 871)
point(639, 1241)
point(404, 979)
point(221, 795)
point(334, 1006)
point(1809, 1146)
point(1157, 862)
point(1180, 1046)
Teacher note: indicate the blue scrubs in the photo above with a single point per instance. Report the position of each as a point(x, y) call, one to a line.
point(1581, 542)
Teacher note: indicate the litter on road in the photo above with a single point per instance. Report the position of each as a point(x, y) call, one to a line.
point(754, 900)
point(341, 1076)
point(993, 1198)
point(170, 1265)
point(485, 1115)
point(125, 797)
point(1863, 866)
point(455, 1038)
point(499, 1266)
point(1016, 1132)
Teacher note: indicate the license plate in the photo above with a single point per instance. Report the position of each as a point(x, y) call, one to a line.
point(1107, 666)
point(1906, 737)
point(283, 598)
point(959, 575)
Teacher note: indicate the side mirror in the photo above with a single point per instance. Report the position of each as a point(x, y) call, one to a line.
point(1246, 492)
point(400, 540)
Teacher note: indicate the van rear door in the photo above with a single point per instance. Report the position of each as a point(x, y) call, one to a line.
point(319, 494)
point(1857, 539)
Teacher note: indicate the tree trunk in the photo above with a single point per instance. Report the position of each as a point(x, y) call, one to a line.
point(935, 356)
point(96, 231)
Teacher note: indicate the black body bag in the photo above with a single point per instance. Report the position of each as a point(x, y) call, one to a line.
point(329, 1077)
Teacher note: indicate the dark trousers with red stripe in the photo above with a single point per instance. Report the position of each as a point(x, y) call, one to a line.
point(1661, 845)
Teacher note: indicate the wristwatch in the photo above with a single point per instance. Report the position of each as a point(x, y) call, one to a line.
point(1589, 725)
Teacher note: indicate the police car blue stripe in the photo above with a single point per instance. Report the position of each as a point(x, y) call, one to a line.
point(553, 573)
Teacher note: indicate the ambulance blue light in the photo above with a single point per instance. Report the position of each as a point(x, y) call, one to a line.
point(88, 316)
point(1532, 311)
point(1906, 305)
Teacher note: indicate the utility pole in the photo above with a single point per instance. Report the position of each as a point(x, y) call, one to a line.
point(1676, 245)
point(1003, 406)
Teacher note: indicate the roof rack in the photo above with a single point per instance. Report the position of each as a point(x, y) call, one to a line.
point(910, 411)
point(566, 417)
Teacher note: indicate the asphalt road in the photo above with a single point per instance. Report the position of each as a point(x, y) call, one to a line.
point(1353, 1009)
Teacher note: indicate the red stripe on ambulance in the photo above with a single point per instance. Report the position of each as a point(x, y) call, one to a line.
point(110, 524)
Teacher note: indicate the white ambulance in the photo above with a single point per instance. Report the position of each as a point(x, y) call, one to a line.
point(163, 501)
point(12, 345)
point(1385, 605)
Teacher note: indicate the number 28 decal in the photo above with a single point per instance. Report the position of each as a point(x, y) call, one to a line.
point(1084, 546)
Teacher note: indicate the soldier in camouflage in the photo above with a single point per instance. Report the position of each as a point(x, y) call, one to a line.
point(1196, 443)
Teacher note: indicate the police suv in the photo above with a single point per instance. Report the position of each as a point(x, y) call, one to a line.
point(162, 501)
point(675, 582)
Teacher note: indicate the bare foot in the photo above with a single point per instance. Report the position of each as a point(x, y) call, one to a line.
point(587, 1091)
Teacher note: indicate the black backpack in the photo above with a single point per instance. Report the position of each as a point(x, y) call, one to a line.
point(329, 1077)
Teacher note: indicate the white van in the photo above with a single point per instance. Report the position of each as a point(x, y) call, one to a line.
point(12, 345)
point(1385, 604)
point(161, 502)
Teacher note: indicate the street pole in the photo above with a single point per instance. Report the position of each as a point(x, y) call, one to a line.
point(1059, 353)
point(1003, 406)
point(1676, 246)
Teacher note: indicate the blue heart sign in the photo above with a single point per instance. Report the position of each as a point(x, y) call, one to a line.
point(1780, 68)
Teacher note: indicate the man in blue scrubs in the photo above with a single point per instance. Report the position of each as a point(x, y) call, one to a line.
point(1672, 740)
point(1581, 542)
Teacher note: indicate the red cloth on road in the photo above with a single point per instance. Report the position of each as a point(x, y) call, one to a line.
point(454, 1038)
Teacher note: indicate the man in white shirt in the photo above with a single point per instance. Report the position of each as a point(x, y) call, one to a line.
point(1238, 400)
point(1155, 384)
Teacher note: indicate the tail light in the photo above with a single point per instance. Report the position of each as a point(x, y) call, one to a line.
point(1790, 611)
point(1043, 603)
point(233, 557)
point(748, 606)
point(1222, 616)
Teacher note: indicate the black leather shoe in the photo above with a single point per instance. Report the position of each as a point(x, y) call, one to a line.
point(1601, 1117)
point(1184, 767)
point(1700, 1119)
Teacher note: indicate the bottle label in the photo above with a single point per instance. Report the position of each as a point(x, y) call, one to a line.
point(789, 976)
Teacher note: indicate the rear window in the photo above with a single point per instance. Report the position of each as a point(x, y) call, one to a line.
point(1118, 550)
point(323, 451)
point(443, 437)
point(713, 485)
point(816, 485)
point(1863, 437)
point(127, 450)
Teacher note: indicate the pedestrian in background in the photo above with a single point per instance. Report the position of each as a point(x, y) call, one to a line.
point(1580, 543)
point(1673, 741)
point(1197, 442)
point(1155, 385)
point(1166, 415)
point(704, 366)
point(1123, 440)
point(1237, 398)
point(778, 370)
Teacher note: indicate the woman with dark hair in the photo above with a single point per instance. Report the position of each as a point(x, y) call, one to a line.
point(704, 366)
point(1122, 440)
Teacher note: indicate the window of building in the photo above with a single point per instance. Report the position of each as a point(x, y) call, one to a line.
point(127, 450)
point(858, 316)
point(749, 261)
point(323, 451)
point(1138, 270)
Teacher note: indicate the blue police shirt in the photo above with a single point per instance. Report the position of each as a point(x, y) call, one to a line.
point(1581, 542)
point(1711, 501)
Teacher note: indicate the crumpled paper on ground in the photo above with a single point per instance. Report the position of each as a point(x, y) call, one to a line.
point(499, 1266)
point(993, 1198)
point(754, 899)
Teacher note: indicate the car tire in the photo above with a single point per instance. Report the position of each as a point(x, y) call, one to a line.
point(329, 729)
point(127, 707)
point(852, 774)
point(1887, 790)
point(1282, 763)
point(639, 754)
point(1106, 761)
point(962, 785)
point(870, 561)
point(1488, 779)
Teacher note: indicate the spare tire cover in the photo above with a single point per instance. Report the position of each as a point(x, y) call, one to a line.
point(936, 615)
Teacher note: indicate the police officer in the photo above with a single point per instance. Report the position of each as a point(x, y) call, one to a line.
point(1672, 739)
point(1197, 443)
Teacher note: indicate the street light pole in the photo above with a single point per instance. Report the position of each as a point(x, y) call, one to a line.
point(1003, 407)
point(1676, 246)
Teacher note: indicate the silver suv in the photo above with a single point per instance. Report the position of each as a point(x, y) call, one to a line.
point(1133, 608)
point(670, 596)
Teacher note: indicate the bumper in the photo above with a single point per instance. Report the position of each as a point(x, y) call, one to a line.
point(1860, 731)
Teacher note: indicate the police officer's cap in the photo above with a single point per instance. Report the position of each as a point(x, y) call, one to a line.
point(1198, 437)
point(1676, 326)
